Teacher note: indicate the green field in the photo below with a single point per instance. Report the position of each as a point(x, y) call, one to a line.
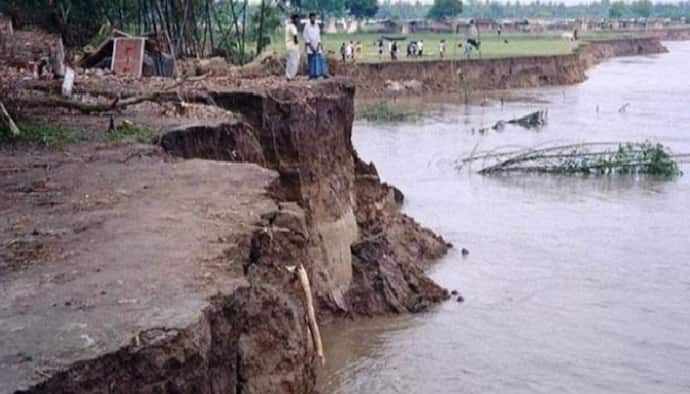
point(491, 45)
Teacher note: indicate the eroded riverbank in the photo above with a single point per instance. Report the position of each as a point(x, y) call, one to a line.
point(145, 269)
point(433, 77)
point(195, 253)
point(573, 284)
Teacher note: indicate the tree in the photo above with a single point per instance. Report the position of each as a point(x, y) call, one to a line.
point(361, 9)
point(445, 9)
point(324, 7)
point(264, 23)
point(617, 10)
point(641, 8)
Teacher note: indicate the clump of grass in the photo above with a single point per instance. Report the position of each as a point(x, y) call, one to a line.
point(131, 134)
point(385, 112)
point(52, 135)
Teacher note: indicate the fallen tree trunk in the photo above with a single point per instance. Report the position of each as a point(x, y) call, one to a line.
point(116, 104)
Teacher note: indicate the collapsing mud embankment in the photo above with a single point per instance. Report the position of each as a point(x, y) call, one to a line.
point(445, 76)
point(170, 274)
point(364, 255)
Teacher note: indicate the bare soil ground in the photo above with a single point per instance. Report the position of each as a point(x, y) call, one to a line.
point(100, 243)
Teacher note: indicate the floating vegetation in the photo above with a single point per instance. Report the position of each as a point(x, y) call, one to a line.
point(385, 112)
point(588, 159)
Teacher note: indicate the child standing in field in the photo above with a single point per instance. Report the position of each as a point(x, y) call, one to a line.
point(420, 48)
point(380, 45)
point(442, 48)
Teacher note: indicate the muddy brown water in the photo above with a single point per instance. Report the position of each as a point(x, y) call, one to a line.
point(572, 284)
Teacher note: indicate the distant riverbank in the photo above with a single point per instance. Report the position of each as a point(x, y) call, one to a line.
point(393, 79)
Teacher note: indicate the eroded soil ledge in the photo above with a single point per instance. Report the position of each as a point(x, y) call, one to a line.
point(375, 80)
point(163, 269)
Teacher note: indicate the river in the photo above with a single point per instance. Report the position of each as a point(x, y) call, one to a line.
point(573, 284)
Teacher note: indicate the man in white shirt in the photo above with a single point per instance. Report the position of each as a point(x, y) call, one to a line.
point(292, 47)
point(312, 40)
point(348, 50)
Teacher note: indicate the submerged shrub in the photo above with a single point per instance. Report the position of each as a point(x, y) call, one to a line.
point(386, 112)
point(589, 158)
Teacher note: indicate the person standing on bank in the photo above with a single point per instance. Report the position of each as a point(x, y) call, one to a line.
point(312, 40)
point(472, 39)
point(292, 46)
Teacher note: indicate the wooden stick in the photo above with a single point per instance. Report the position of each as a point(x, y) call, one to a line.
point(314, 327)
point(6, 118)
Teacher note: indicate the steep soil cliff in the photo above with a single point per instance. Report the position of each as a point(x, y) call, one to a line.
point(304, 134)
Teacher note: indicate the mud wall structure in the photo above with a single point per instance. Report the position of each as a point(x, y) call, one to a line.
point(447, 76)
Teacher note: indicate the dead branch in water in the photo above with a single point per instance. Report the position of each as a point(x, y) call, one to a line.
point(529, 121)
point(532, 120)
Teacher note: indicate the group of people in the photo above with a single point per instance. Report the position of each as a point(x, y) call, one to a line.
point(318, 67)
point(349, 50)
point(415, 49)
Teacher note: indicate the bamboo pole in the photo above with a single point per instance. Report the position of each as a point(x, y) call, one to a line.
point(6, 118)
point(311, 315)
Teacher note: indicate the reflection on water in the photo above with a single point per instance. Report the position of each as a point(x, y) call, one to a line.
point(573, 284)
